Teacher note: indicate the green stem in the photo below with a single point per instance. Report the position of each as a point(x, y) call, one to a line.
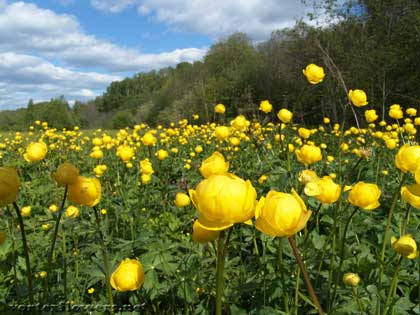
point(393, 286)
point(280, 270)
point(54, 239)
point(384, 241)
point(64, 254)
point(26, 253)
point(10, 228)
point(220, 271)
point(308, 283)
point(296, 306)
point(341, 257)
point(359, 303)
point(105, 259)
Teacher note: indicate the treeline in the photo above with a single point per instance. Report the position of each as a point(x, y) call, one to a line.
point(368, 44)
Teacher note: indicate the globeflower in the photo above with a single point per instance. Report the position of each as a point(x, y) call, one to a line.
point(26, 211)
point(407, 158)
point(35, 151)
point(358, 97)
point(371, 115)
point(66, 174)
point(223, 200)
point(148, 139)
point(308, 154)
point(125, 153)
point(395, 111)
point(351, 279)
point(221, 132)
point(72, 212)
point(365, 196)
point(146, 167)
point(129, 276)
point(9, 185)
point(285, 115)
point(411, 194)
point(405, 246)
point(215, 164)
point(265, 106)
point(85, 191)
point(281, 214)
point(182, 200)
point(240, 123)
point(313, 73)
point(219, 109)
point(202, 235)
point(324, 190)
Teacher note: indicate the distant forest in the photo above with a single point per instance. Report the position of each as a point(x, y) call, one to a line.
point(372, 45)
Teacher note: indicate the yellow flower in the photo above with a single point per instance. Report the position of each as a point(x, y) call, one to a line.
point(407, 158)
point(358, 97)
point(219, 109)
point(43, 274)
point(326, 120)
point(405, 246)
point(182, 200)
point(395, 111)
point(202, 235)
point(324, 190)
point(85, 191)
point(308, 154)
point(125, 153)
point(411, 194)
point(313, 73)
point(240, 123)
point(26, 211)
point(351, 279)
point(9, 185)
point(46, 226)
point(35, 151)
point(52, 208)
point(417, 175)
point(281, 214)
point(129, 276)
point(162, 154)
point(262, 178)
point(265, 106)
point(72, 212)
point(146, 178)
point(304, 133)
point(221, 132)
point(307, 176)
point(66, 174)
point(146, 167)
point(91, 290)
point(365, 196)
point(371, 115)
point(223, 200)
point(148, 139)
point(411, 112)
point(285, 115)
point(215, 164)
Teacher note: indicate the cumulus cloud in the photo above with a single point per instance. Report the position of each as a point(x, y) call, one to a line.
point(257, 18)
point(43, 53)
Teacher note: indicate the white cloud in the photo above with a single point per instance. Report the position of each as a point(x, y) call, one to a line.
point(43, 54)
point(257, 18)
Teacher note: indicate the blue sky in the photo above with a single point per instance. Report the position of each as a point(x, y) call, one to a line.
point(76, 48)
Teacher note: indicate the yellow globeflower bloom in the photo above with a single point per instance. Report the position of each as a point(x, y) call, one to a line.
point(146, 178)
point(324, 190)
point(9, 185)
point(411, 112)
point(35, 151)
point(262, 178)
point(66, 174)
point(125, 153)
point(308, 154)
point(182, 200)
point(72, 212)
point(358, 97)
point(223, 200)
point(148, 139)
point(326, 120)
point(129, 276)
point(304, 133)
point(365, 196)
point(221, 132)
point(407, 158)
point(307, 176)
point(285, 115)
point(405, 246)
point(395, 111)
point(146, 167)
point(351, 279)
point(53, 208)
point(281, 214)
point(215, 164)
point(265, 106)
point(411, 194)
point(371, 115)
point(162, 154)
point(313, 73)
point(85, 191)
point(240, 123)
point(26, 211)
point(219, 109)
point(202, 235)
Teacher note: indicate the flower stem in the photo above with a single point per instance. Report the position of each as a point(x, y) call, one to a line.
point(105, 258)
point(54, 239)
point(221, 245)
point(26, 253)
point(305, 276)
point(384, 242)
point(393, 287)
point(280, 270)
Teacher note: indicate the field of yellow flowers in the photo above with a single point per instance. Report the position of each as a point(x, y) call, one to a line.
point(242, 216)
